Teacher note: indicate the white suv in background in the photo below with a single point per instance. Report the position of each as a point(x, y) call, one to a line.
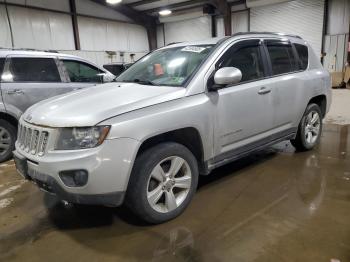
point(180, 111)
point(28, 77)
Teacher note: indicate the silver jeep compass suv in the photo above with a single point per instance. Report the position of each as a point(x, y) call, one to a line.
point(27, 77)
point(178, 112)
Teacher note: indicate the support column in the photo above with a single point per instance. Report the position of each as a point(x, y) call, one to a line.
point(227, 23)
point(73, 10)
point(152, 37)
point(225, 9)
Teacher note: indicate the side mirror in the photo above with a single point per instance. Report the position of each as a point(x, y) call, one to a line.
point(227, 76)
point(108, 77)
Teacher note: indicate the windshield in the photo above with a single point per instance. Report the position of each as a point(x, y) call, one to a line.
point(169, 67)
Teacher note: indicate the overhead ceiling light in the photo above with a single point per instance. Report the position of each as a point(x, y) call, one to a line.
point(113, 2)
point(165, 12)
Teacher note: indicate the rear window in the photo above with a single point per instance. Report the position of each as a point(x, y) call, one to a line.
point(303, 54)
point(282, 57)
point(34, 70)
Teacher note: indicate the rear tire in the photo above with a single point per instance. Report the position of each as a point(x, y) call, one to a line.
point(309, 130)
point(163, 181)
point(8, 136)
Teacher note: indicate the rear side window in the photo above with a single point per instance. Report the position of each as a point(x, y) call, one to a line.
point(282, 57)
point(303, 54)
point(2, 63)
point(34, 70)
point(246, 57)
point(82, 72)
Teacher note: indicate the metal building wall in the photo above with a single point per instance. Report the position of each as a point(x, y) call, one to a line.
point(336, 40)
point(190, 25)
point(99, 35)
point(48, 30)
point(5, 33)
point(338, 17)
point(40, 29)
point(240, 21)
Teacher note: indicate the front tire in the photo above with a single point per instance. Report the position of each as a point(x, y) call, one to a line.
point(309, 130)
point(163, 182)
point(8, 135)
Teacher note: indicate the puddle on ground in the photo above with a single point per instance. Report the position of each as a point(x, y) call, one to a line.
point(275, 205)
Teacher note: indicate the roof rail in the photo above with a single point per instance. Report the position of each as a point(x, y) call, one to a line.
point(27, 49)
point(173, 43)
point(269, 33)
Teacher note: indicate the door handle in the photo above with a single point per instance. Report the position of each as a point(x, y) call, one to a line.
point(264, 91)
point(15, 92)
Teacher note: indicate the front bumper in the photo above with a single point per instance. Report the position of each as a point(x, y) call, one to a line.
point(108, 166)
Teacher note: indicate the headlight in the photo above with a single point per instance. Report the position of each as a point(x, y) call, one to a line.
point(81, 137)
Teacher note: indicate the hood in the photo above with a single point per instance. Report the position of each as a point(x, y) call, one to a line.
point(92, 105)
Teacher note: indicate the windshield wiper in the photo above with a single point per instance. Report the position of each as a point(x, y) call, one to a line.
point(144, 82)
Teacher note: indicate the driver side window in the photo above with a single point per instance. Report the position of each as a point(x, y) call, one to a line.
point(246, 56)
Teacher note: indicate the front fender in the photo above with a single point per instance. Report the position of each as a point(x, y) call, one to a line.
point(194, 111)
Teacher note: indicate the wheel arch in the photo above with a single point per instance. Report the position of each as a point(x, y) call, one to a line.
point(9, 118)
point(187, 136)
point(321, 101)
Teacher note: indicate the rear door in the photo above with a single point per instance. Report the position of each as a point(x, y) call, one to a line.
point(2, 64)
point(28, 80)
point(287, 80)
point(81, 74)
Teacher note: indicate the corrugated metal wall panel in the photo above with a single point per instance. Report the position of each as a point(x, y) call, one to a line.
point(100, 35)
point(240, 21)
point(5, 34)
point(338, 17)
point(336, 52)
point(220, 28)
point(300, 17)
point(188, 30)
point(40, 29)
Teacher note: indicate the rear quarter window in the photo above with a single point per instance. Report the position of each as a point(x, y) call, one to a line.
point(303, 54)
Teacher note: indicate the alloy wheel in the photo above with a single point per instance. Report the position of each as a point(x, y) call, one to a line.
point(312, 127)
point(169, 184)
point(5, 141)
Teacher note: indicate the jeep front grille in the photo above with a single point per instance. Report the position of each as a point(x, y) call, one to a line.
point(32, 140)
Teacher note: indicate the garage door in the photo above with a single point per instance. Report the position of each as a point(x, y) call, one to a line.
point(188, 30)
point(300, 17)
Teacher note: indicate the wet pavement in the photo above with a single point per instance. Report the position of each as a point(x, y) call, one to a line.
point(275, 205)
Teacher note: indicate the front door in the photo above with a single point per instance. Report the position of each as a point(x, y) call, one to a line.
point(245, 110)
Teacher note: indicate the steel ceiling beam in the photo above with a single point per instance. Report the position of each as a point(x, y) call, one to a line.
point(176, 5)
point(144, 2)
point(137, 16)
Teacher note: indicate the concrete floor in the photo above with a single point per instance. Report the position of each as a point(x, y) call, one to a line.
point(339, 112)
point(276, 205)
